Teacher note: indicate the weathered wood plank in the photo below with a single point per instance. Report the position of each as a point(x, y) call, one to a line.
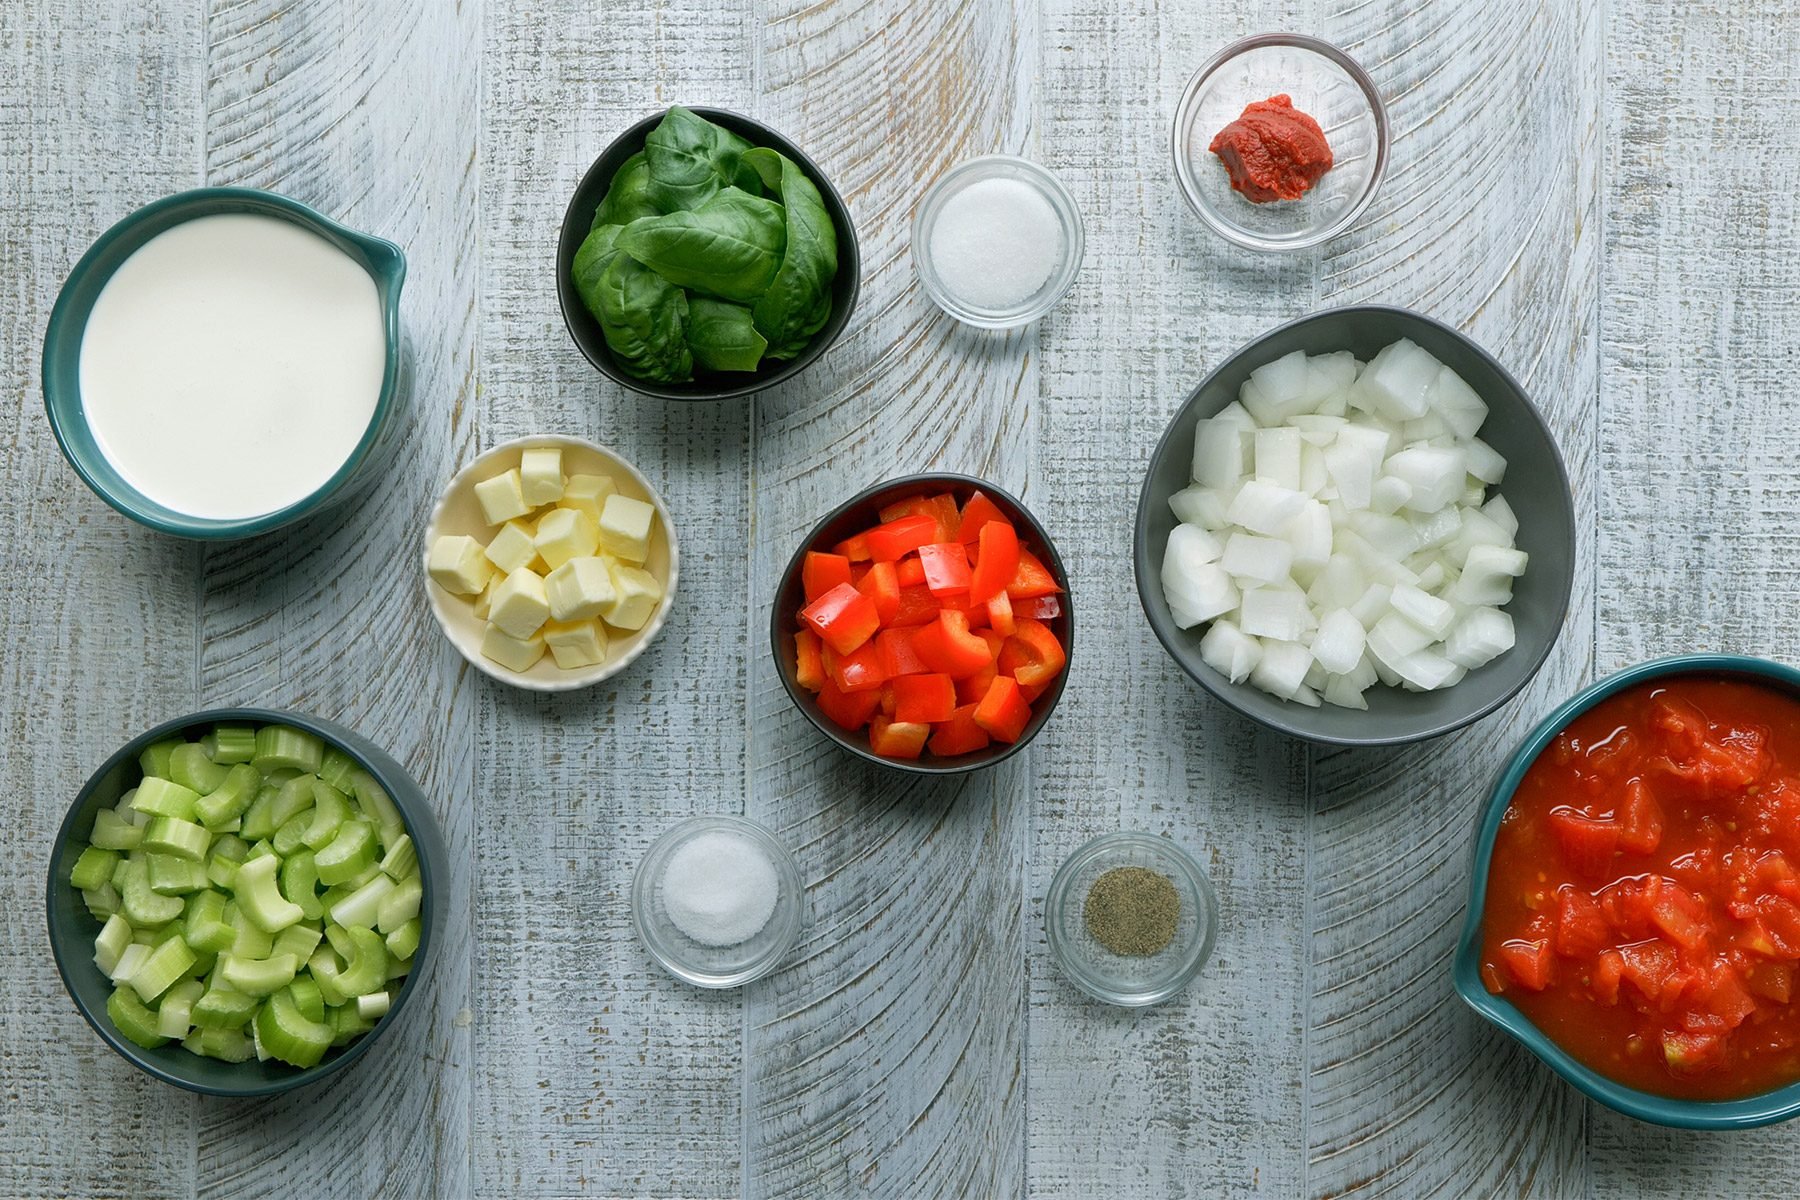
point(368, 111)
point(887, 1057)
point(98, 114)
point(596, 1073)
point(1699, 524)
point(1407, 1094)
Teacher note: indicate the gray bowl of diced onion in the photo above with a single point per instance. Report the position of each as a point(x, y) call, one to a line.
point(1279, 681)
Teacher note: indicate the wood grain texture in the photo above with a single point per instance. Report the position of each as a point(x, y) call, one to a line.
point(98, 114)
point(367, 110)
point(887, 1057)
point(1699, 509)
point(598, 1074)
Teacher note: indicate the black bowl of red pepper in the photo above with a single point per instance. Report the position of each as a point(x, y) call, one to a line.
point(926, 625)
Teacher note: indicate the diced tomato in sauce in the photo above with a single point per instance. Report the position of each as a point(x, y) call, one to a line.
point(1643, 904)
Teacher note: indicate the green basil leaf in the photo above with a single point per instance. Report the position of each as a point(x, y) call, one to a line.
point(627, 197)
point(595, 252)
point(690, 159)
point(798, 300)
point(730, 247)
point(643, 317)
point(722, 336)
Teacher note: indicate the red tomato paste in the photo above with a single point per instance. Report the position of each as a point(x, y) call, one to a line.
point(1643, 906)
point(1273, 151)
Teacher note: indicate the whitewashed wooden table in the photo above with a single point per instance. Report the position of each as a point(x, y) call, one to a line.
point(1604, 194)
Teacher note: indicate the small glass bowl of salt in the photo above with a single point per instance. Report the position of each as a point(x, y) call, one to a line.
point(718, 901)
point(997, 241)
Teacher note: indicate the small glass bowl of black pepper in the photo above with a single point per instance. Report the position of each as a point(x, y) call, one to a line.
point(1131, 918)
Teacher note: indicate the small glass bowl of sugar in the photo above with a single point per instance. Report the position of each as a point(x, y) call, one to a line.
point(718, 901)
point(997, 241)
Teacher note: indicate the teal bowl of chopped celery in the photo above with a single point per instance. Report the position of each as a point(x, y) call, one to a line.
point(147, 908)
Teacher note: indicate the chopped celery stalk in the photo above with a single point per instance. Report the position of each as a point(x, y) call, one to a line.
point(174, 1014)
point(281, 746)
point(130, 959)
point(135, 1022)
point(323, 969)
point(401, 860)
point(300, 884)
point(347, 1024)
point(93, 867)
point(154, 760)
point(223, 1007)
point(167, 965)
point(173, 929)
point(398, 968)
point(143, 907)
point(337, 769)
point(160, 797)
point(125, 866)
point(256, 816)
point(232, 744)
point(228, 801)
point(192, 769)
point(247, 940)
point(292, 836)
point(115, 935)
point(143, 937)
point(349, 852)
point(331, 808)
point(260, 899)
point(172, 835)
point(113, 832)
point(257, 976)
point(297, 940)
point(403, 942)
point(370, 1007)
point(398, 906)
point(307, 998)
point(102, 902)
point(226, 1045)
point(291, 798)
point(262, 849)
point(362, 908)
point(171, 876)
point(284, 1033)
point(365, 967)
point(378, 806)
point(207, 930)
point(228, 850)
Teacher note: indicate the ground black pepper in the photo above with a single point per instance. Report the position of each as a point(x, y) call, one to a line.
point(1132, 910)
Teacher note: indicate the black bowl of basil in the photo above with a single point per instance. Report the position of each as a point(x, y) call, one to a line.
point(705, 257)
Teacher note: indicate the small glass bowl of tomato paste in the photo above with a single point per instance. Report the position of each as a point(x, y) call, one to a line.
point(1322, 82)
point(1634, 909)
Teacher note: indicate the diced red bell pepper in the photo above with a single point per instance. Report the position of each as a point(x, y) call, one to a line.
point(1038, 608)
point(897, 653)
point(996, 562)
point(843, 617)
point(1003, 711)
point(1587, 844)
point(887, 700)
point(819, 573)
point(977, 513)
point(1032, 579)
point(1032, 655)
point(947, 646)
point(881, 585)
point(926, 699)
point(972, 689)
point(1528, 962)
point(856, 549)
point(946, 568)
point(940, 508)
point(859, 670)
point(809, 671)
point(848, 710)
point(1000, 615)
point(917, 607)
point(894, 540)
point(911, 571)
point(897, 739)
point(959, 735)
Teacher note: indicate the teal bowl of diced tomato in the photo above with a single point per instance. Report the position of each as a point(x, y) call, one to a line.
point(74, 927)
point(1601, 820)
point(926, 625)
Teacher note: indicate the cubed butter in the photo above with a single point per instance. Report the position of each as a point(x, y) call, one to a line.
point(586, 493)
point(625, 528)
point(565, 533)
point(512, 547)
point(484, 603)
point(520, 607)
point(635, 595)
point(458, 565)
point(501, 498)
point(579, 589)
point(515, 654)
point(540, 475)
point(576, 643)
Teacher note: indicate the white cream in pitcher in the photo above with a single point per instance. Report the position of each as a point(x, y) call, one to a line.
point(231, 365)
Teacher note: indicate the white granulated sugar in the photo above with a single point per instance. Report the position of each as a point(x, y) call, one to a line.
point(719, 889)
point(995, 243)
